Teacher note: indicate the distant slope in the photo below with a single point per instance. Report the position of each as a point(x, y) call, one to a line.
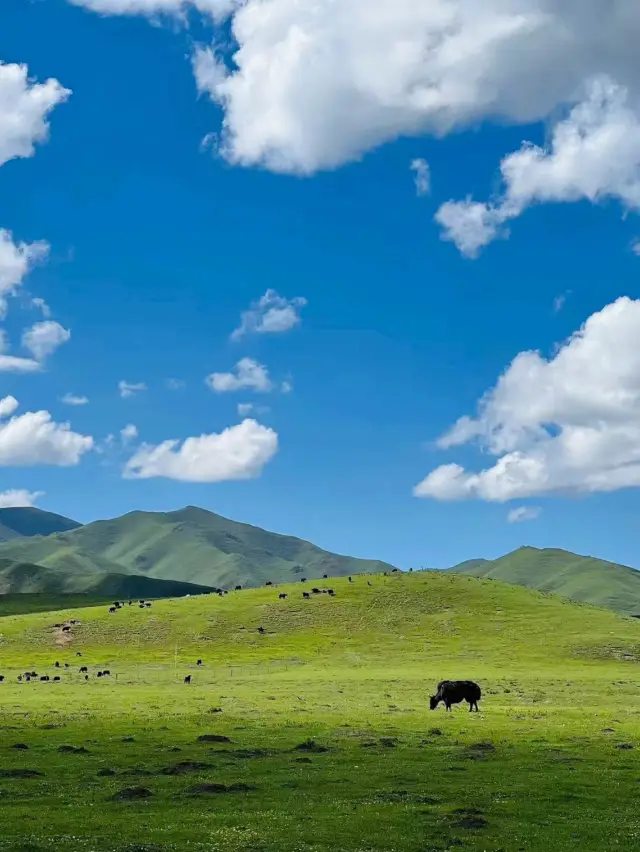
point(27, 521)
point(27, 578)
point(190, 545)
point(21, 604)
point(580, 578)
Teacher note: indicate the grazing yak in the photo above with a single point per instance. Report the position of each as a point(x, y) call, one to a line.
point(187, 679)
point(282, 597)
point(454, 691)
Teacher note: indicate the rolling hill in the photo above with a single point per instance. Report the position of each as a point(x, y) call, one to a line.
point(27, 521)
point(579, 578)
point(190, 545)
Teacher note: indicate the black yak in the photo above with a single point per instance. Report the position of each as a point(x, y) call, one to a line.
point(454, 691)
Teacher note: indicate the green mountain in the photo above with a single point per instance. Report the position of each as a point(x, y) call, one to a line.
point(580, 578)
point(27, 521)
point(28, 578)
point(190, 545)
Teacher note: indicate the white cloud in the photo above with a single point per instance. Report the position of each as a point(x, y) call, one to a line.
point(12, 364)
point(422, 176)
point(16, 259)
point(73, 399)
point(593, 154)
point(568, 424)
point(271, 314)
point(24, 110)
point(129, 433)
point(175, 384)
point(523, 513)
point(239, 452)
point(42, 306)
point(43, 338)
point(217, 9)
point(245, 408)
point(246, 374)
point(286, 387)
point(129, 389)
point(19, 497)
point(34, 438)
point(635, 247)
point(559, 301)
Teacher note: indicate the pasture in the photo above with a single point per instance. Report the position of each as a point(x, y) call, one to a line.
point(317, 734)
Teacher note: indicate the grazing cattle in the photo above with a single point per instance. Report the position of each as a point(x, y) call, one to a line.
point(369, 583)
point(106, 673)
point(315, 591)
point(238, 588)
point(86, 677)
point(45, 678)
point(141, 602)
point(66, 665)
point(56, 664)
point(1, 678)
point(27, 678)
point(99, 674)
point(147, 605)
point(261, 630)
point(282, 597)
point(130, 603)
point(19, 678)
point(454, 691)
point(306, 595)
point(83, 669)
point(56, 678)
point(187, 679)
point(140, 606)
point(325, 576)
point(350, 580)
point(112, 609)
point(78, 654)
point(66, 629)
point(268, 583)
point(330, 592)
point(199, 663)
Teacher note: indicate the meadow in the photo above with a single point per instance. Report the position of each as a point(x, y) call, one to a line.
point(317, 734)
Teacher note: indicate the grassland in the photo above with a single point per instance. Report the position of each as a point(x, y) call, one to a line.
point(579, 578)
point(550, 762)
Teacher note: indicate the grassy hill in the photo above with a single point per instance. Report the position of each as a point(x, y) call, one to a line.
point(66, 579)
point(21, 522)
point(316, 736)
point(190, 545)
point(580, 578)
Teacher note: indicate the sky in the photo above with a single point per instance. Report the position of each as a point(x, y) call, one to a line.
point(359, 272)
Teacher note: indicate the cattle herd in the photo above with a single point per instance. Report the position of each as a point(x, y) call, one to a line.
point(448, 692)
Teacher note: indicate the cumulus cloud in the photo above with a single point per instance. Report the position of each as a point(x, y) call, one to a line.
point(129, 433)
point(593, 154)
point(42, 306)
point(635, 247)
point(16, 259)
point(175, 384)
point(24, 110)
point(43, 338)
point(73, 399)
point(569, 424)
point(559, 301)
point(217, 9)
point(271, 314)
point(421, 176)
point(129, 389)
point(523, 513)
point(246, 374)
point(34, 438)
point(238, 452)
point(13, 364)
point(19, 497)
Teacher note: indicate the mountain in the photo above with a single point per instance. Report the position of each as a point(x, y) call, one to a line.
point(27, 521)
point(28, 578)
point(190, 545)
point(580, 578)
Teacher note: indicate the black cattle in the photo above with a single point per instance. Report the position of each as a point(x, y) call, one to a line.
point(454, 691)
point(56, 664)
point(83, 669)
point(141, 602)
point(238, 588)
point(56, 678)
point(1, 678)
point(78, 654)
point(66, 629)
point(66, 665)
point(99, 674)
point(306, 595)
point(350, 580)
point(19, 678)
point(395, 570)
point(27, 678)
point(187, 679)
point(369, 583)
point(261, 630)
point(45, 678)
point(268, 583)
point(106, 673)
point(147, 605)
point(325, 576)
point(140, 606)
point(330, 592)
point(199, 663)
point(315, 591)
point(86, 677)
point(282, 597)
point(112, 609)
point(130, 603)
point(303, 579)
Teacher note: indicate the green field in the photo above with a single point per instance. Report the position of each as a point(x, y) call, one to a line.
point(550, 762)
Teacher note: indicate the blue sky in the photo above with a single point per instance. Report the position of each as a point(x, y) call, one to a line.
point(157, 247)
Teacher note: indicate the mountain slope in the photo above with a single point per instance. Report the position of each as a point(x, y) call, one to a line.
point(580, 578)
point(28, 578)
point(27, 521)
point(190, 545)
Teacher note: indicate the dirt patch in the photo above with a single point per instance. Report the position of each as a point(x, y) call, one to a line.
point(303, 760)
point(20, 773)
point(388, 742)
point(624, 747)
point(107, 773)
point(187, 766)
point(213, 738)
point(69, 749)
point(311, 746)
point(213, 789)
point(131, 794)
point(20, 747)
point(62, 638)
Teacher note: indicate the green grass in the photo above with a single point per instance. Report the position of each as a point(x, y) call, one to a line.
point(190, 545)
point(579, 578)
point(533, 771)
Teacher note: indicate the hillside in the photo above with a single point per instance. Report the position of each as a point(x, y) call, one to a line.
point(27, 521)
point(28, 578)
point(190, 545)
point(579, 578)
